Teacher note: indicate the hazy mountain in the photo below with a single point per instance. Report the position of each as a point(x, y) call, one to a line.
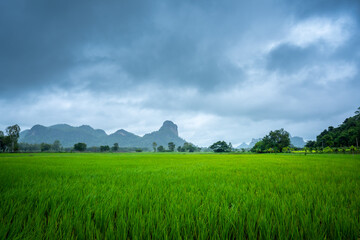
point(297, 142)
point(243, 145)
point(250, 145)
point(69, 135)
point(124, 139)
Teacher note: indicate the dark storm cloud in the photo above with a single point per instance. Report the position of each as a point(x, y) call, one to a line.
point(179, 61)
point(289, 58)
point(94, 62)
point(181, 43)
point(305, 9)
point(185, 43)
point(33, 53)
point(42, 41)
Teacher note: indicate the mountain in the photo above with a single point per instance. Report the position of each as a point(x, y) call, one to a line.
point(297, 142)
point(250, 145)
point(69, 135)
point(243, 145)
point(124, 139)
point(167, 133)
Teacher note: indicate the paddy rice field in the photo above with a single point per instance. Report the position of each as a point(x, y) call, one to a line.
point(179, 196)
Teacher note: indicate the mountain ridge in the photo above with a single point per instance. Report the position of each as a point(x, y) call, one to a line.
point(69, 135)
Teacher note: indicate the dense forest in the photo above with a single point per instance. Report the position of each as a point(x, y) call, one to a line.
point(345, 135)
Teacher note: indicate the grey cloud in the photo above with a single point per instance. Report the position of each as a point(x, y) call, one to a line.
point(288, 58)
point(167, 58)
point(42, 42)
point(351, 52)
point(305, 9)
point(178, 61)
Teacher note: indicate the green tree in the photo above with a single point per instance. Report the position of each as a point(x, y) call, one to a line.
point(2, 142)
point(115, 148)
point(279, 139)
point(220, 146)
point(357, 112)
point(310, 145)
point(161, 149)
point(56, 146)
point(105, 148)
point(81, 147)
point(13, 133)
point(276, 141)
point(171, 146)
point(45, 147)
point(154, 144)
point(259, 147)
point(189, 147)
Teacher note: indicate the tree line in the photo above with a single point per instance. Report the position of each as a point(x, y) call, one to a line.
point(82, 147)
point(346, 135)
point(186, 147)
point(344, 138)
point(42, 147)
point(78, 147)
point(275, 141)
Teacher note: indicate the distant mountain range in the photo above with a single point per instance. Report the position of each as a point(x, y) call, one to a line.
point(69, 135)
point(250, 145)
point(295, 141)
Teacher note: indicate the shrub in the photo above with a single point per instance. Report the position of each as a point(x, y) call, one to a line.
point(327, 150)
point(285, 150)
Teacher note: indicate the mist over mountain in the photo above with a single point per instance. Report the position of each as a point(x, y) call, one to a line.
point(250, 145)
point(69, 135)
point(297, 142)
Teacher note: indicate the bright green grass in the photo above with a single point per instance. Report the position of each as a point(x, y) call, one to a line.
point(172, 196)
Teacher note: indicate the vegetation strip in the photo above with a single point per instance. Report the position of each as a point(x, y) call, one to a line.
point(171, 196)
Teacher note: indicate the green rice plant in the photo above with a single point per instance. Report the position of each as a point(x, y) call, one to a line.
point(172, 196)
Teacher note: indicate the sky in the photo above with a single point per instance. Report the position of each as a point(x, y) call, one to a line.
point(221, 70)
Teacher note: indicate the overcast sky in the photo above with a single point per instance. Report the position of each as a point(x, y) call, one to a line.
point(221, 70)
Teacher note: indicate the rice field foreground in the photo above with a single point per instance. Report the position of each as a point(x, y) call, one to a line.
point(173, 196)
